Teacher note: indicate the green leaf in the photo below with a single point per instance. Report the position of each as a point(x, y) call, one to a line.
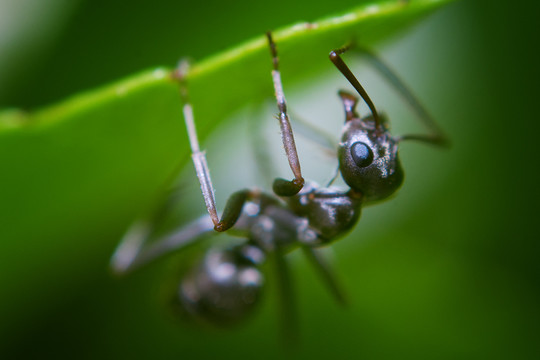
point(74, 170)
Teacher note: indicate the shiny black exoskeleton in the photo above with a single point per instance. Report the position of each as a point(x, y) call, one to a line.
point(217, 290)
point(225, 286)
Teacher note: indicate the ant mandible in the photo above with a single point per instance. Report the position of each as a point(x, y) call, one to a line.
point(226, 284)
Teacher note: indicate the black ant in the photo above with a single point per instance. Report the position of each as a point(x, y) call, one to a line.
point(226, 283)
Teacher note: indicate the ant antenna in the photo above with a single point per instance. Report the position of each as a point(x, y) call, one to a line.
point(437, 136)
point(340, 64)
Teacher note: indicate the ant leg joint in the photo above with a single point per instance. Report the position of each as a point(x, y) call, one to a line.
point(284, 187)
point(233, 209)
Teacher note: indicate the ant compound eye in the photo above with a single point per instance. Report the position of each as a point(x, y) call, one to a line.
point(361, 154)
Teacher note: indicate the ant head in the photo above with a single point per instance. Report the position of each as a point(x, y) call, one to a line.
point(368, 154)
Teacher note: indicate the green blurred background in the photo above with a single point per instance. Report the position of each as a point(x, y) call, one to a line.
point(447, 269)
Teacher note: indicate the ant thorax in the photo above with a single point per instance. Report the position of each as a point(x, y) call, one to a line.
point(330, 212)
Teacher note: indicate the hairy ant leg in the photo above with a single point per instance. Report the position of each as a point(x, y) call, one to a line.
point(284, 187)
point(235, 203)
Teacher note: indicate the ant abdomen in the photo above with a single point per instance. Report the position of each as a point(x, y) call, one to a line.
point(224, 287)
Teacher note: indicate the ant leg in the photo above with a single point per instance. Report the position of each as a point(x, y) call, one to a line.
point(198, 157)
point(322, 138)
point(284, 187)
point(316, 135)
point(132, 252)
point(437, 136)
point(259, 145)
point(287, 301)
point(236, 202)
point(129, 247)
point(317, 260)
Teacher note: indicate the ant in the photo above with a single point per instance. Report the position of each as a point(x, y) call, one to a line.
point(225, 285)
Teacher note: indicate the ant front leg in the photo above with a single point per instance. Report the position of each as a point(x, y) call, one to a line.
point(234, 206)
point(284, 187)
